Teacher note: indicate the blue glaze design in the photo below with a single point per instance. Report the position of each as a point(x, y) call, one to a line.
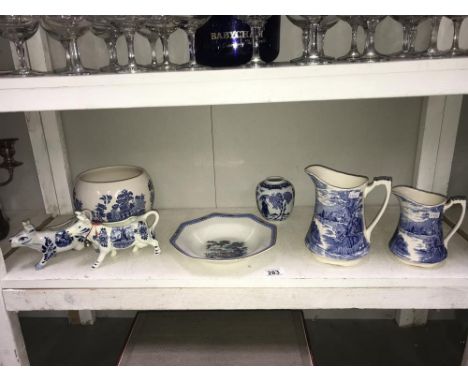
point(48, 249)
point(181, 227)
point(151, 190)
point(77, 204)
point(122, 237)
point(126, 205)
point(142, 230)
point(337, 228)
point(419, 235)
point(225, 249)
point(63, 239)
point(102, 237)
point(275, 199)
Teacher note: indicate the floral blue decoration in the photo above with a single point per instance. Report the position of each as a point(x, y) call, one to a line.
point(48, 249)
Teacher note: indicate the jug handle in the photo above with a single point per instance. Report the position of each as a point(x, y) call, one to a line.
point(378, 181)
point(451, 202)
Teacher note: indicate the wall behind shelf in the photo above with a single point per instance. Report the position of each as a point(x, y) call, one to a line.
point(207, 157)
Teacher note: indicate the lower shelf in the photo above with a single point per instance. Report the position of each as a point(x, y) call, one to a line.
point(292, 262)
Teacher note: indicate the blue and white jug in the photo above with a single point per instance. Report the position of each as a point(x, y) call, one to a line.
point(419, 237)
point(338, 233)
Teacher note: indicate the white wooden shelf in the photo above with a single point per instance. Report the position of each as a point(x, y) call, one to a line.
point(147, 281)
point(236, 86)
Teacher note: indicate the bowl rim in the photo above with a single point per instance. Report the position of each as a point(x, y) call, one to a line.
point(177, 233)
point(79, 177)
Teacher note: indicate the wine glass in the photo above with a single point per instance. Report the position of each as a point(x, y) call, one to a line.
point(164, 26)
point(152, 35)
point(354, 22)
point(370, 53)
point(409, 25)
point(325, 24)
point(67, 30)
point(103, 28)
point(257, 24)
point(128, 26)
point(432, 51)
point(18, 29)
point(455, 50)
point(309, 26)
point(190, 24)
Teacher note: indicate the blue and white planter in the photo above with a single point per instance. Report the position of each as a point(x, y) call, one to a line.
point(337, 234)
point(275, 198)
point(114, 194)
point(419, 238)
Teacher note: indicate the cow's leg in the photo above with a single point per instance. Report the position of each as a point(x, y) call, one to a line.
point(41, 264)
point(113, 252)
point(155, 244)
point(102, 255)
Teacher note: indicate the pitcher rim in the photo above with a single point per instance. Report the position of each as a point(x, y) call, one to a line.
point(444, 197)
point(365, 178)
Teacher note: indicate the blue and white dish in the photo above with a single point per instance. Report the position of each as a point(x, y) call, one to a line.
point(114, 193)
point(223, 237)
point(337, 234)
point(419, 238)
point(275, 198)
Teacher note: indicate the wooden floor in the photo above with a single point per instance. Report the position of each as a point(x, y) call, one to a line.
point(52, 341)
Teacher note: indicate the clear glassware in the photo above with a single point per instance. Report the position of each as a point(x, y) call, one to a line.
point(67, 30)
point(129, 26)
point(455, 50)
point(257, 25)
point(409, 25)
point(190, 24)
point(309, 26)
point(433, 51)
point(152, 36)
point(19, 29)
point(103, 28)
point(370, 53)
point(163, 26)
point(326, 23)
point(354, 22)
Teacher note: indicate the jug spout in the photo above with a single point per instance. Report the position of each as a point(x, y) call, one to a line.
point(322, 176)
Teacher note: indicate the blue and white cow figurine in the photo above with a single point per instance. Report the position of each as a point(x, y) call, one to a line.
point(49, 242)
point(109, 237)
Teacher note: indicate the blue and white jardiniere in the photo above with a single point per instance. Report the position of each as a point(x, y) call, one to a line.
point(275, 198)
point(419, 238)
point(113, 193)
point(338, 233)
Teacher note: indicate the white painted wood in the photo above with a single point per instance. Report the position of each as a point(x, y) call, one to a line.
point(235, 298)
point(82, 317)
point(12, 347)
point(446, 147)
point(236, 86)
point(411, 317)
point(297, 265)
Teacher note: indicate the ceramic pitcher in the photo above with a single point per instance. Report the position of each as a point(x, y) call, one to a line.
point(338, 233)
point(419, 238)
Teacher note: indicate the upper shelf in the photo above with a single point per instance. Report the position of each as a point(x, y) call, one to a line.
point(236, 86)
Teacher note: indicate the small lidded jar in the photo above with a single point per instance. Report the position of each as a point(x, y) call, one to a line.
point(275, 198)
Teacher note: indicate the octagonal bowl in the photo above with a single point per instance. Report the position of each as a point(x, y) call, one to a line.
point(221, 237)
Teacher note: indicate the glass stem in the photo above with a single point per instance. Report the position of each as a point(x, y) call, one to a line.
point(321, 41)
point(354, 31)
point(413, 28)
point(191, 41)
point(165, 47)
point(370, 40)
point(68, 63)
point(74, 55)
point(306, 42)
point(153, 41)
point(22, 62)
point(434, 32)
point(313, 50)
point(406, 38)
point(111, 47)
point(130, 38)
point(256, 33)
point(456, 34)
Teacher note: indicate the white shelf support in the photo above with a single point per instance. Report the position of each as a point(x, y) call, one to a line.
point(12, 347)
point(440, 117)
